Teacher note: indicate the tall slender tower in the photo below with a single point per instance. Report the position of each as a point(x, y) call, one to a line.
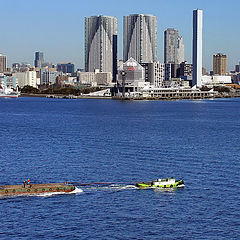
point(101, 44)
point(173, 47)
point(38, 59)
point(197, 47)
point(3, 63)
point(140, 38)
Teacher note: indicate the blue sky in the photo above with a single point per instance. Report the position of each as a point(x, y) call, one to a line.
point(56, 27)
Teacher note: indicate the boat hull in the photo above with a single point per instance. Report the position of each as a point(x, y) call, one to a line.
point(177, 184)
point(6, 190)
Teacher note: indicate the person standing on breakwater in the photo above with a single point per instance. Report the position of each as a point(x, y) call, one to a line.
point(29, 183)
point(24, 183)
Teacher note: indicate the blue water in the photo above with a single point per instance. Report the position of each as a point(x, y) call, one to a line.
point(51, 140)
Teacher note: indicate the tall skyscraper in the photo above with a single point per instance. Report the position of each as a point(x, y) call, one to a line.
point(173, 47)
point(219, 64)
point(140, 38)
point(101, 44)
point(197, 47)
point(39, 60)
point(3, 63)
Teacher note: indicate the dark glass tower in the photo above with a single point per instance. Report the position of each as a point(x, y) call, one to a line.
point(38, 59)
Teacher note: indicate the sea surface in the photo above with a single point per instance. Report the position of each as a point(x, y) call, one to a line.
point(122, 142)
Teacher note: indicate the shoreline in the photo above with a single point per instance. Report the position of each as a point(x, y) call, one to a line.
point(58, 96)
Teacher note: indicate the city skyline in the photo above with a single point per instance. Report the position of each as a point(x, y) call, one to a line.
point(60, 33)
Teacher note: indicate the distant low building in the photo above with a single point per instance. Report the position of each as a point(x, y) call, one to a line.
point(65, 80)
point(216, 80)
point(176, 83)
point(86, 78)
point(48, 77)
point(65, 67)
point(95, 78)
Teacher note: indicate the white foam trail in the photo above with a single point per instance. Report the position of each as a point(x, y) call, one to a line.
point(77, 190)
point(49, 194)
point(119, 187)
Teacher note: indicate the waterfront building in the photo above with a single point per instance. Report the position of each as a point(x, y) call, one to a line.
point(101, 44)
point(65, 67)
point(185, 69)
point(176, 83)
point(154, 73)
point(3, 63)
point(171, 71)
point(131, 77)
point(86, 78)
point(140, 38)
point(219, 64)
point(173, 47)
point(197, 47)
point(66, 80)
point(216, 80)
point(48, 77)
point(26, 78)
point(39, 60)
point(95, 79)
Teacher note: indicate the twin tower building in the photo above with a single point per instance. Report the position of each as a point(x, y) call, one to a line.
point(139, 41)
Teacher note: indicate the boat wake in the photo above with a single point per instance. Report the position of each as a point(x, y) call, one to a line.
point(112, 187)
point(122, 187)
point(49, 194)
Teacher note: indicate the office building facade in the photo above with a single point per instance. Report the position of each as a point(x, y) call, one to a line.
point(3, 63)
point(219, 64)
point(173, 47)
point(101, 44)
point(197, 47)
point(65, 67)
point(140, 38)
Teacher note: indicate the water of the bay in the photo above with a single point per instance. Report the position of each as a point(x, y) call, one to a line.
point(52, 140)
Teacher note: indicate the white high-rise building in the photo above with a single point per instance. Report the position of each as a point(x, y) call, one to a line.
point(101, 44)
point(173, 47)
point(197, 47)
point(140, 38)
point(26, 78)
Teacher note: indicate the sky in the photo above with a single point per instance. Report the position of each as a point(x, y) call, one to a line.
point(56, 27)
